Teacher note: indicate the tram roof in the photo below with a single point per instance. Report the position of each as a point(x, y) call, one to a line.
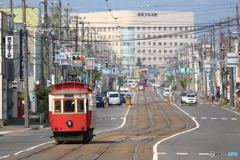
point(71, 88)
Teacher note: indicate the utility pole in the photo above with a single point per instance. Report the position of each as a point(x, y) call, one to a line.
point(76, 40)
point(46, 76)
point(220, 60)
point(204, 71)
point(230, 69)
point(25, 64)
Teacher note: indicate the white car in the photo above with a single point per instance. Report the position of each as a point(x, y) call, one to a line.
point(124, 89)
point(166, 92)
point(191, 98)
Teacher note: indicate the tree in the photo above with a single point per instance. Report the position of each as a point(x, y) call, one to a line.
point(42, 94)
point(170, 79)
point(183, 83)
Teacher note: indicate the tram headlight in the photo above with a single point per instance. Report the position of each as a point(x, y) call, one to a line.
point(69, 123)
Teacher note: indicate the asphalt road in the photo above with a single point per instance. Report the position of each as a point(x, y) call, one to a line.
point(215, 137)
point(14, 143)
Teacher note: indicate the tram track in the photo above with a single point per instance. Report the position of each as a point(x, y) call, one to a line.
point(148, 121)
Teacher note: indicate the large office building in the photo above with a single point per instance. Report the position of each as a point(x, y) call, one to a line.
point(125, 36)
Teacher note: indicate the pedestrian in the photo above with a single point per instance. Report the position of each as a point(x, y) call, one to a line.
point(212, 97)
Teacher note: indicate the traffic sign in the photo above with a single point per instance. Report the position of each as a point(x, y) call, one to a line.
point(89, 62)
point(232, 60)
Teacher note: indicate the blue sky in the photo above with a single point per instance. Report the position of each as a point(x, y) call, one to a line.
point(206, 11)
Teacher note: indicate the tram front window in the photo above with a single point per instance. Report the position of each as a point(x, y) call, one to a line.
point(80, 105)
point(69, 106)
point(57, 106)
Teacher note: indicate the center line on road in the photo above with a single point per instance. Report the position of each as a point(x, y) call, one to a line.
point(113, 118)
point(234, 119)
point(204, 154)
point(182, 153)
point(213, 118)
point(203, 118)
point(224, 118)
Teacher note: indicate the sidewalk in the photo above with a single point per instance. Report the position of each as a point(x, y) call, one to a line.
point(18, 124)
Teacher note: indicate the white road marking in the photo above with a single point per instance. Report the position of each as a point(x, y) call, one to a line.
point(122, 117)
point(213, 118)
point(204, 154)
point(203, 117)
point(234, 119)
point(194, 117)
point(113, 118)
point(230, 110)
point(155, 152)
point(2, 157)
point(182, 153)
point(224, 118)
point(162, 153)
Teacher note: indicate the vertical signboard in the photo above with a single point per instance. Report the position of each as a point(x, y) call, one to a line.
point(21, 55)
point(9, 47)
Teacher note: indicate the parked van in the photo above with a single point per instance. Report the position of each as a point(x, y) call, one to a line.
point(114, 98)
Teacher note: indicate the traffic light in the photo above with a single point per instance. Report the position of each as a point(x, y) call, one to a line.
point(106, 65)
point(82, 57)
point(199, 64)
point(49, 83)
point(73, 58)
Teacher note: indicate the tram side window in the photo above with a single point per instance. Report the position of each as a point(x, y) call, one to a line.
point(57, 106)
point(69, 106)
point(80, 105)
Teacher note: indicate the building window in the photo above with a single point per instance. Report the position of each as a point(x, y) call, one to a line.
point(154, 58)
point(159, 36)
point(181, 36)
point(159, 43)
point(175, 36)
point(143, 36)
point(154, 28)
point(144, 58)
point(186, 36)
point(181, 44)
point(175, 28)
point(149, 36)
point(170, 51)
point(160, 58)
point(143, 43)
point(181, 28)
point(149, 43)
point(186, 28)
point(138, 43)
point(159, 28)
point(138, 36)
point(154, 43)
point(165, 43)
point(154, 36)
point(139, 51)
point(170, 36)
point(18, 26)
point(138, 28)
point(170, 28)
point(175, 43)
point(143, 51)
point(170, 43)
point(165, 36)
point(149, 51)
point(149, 59)
point(143, 28)
point(154, 51)
point(159, 51)
point(165, 28)
point(165, 51)
point(149, 28)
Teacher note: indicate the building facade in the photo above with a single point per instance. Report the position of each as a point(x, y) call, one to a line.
point(152, 36)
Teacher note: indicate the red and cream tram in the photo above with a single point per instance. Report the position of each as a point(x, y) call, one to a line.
point(72, 112)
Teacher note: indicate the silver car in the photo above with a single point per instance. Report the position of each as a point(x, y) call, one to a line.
point(183, 96)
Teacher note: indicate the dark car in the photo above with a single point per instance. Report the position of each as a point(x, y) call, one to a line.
point(100, 101)
point(122, 97)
